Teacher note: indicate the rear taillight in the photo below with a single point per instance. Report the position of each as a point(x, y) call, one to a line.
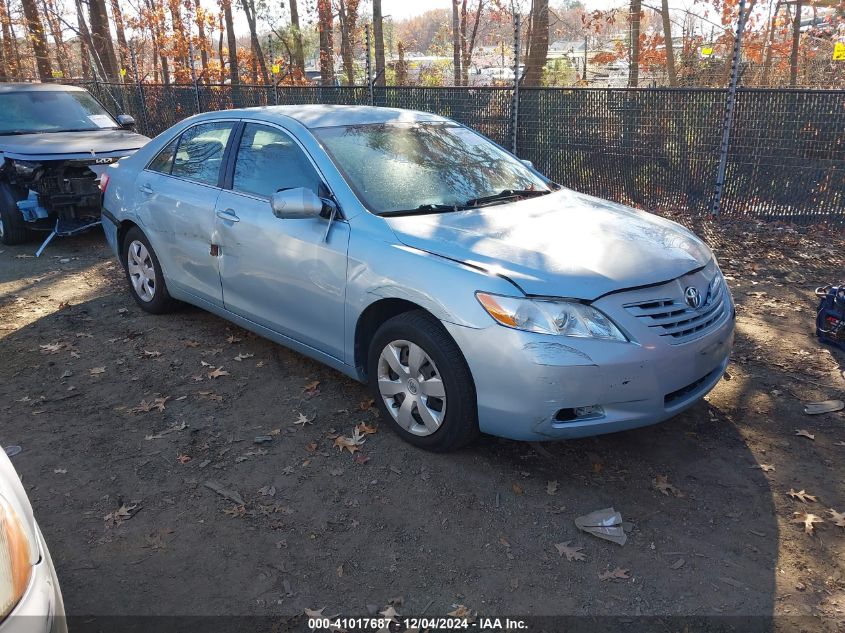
point(104, 182)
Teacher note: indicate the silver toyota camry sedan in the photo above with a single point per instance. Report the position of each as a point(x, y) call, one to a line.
point(409, 252)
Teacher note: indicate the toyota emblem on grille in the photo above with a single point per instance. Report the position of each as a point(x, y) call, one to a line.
point(692, 297)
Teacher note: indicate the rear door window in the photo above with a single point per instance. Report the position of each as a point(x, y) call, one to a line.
point(199, 154)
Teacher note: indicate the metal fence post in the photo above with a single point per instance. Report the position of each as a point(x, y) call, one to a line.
point(369, 67)
point(141, 100)
point(730, 105)
point(194, 76)
point(515, 104)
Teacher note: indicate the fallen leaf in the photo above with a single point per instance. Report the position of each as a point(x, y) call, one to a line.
point(267, 491)
point(361, 459)
point(232, 339)
point(351, 444)
point(551, 487)
point(389, 613)
point(123, 513)
point(364, 429)
point(311, 389)
point(311, 447)
point(661, 483)
point(460, 611)
point(60, 471)
point(616, 574)
point(517, 489)
point(838, 518)
point(240, 357)
point(365, 405)
point(808, 520)
point(571, 552)
point(97, 370)
point(150, 354)
point(301, 420)
point(315, 613)
point(217, 373)
point(183, 459)
point(801, 495)
point(52, 348)
point(146, 407)
point(805, 433)
point(192, 344)
point(766, 468)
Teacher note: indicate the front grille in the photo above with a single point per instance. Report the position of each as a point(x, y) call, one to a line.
point(682, 393)
point(673, 319)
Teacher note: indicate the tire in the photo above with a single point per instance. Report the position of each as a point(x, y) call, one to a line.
point(13, 229)
point(140, 263)
point(455, 415)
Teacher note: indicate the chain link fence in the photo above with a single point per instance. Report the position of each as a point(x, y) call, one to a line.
point(655, 148)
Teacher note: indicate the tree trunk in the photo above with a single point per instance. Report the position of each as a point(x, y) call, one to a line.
point(234, 75)
point(35, 31)
point(122, 46)
point(456, 42)
point(348, 16)
point(326, 27)
point(257, 54)
point(467, 46)
point(796, 41)
point(220, 53)
point(634, 62)
point(84, 51)
point(667, 40)
point(539, 45)
point(298, 54)
point(10, 51)
point(378, 37)
point(53, 21)
point(101, 36)
point(199, 16)
point(401, 70)
point(767, 56)
point(4, 71)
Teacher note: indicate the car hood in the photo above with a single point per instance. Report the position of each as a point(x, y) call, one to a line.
point(71, 145)
point(563, 244)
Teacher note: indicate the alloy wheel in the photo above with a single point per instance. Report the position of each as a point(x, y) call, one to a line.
point(412, 388)
point(142, 273)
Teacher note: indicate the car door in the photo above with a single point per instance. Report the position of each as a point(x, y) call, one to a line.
point(177, 194)
point(281, 274)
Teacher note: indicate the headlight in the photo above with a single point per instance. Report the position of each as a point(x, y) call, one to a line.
point(567, 318)
point(25, 168)
point(15, 568)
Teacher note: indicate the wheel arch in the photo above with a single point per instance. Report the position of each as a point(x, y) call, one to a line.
point(123, 227)
point(369, 322)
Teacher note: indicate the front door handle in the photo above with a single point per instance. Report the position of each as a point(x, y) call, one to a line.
point(229, 215)
point(145, 188)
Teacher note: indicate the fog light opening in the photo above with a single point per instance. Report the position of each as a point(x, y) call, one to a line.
point(578, 414)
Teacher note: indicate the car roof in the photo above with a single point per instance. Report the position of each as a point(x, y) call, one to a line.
point(35, 87)
point(316, 116)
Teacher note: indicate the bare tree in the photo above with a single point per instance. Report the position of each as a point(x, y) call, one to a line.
point(796, 41)
point(101, 37)
point(325, 24)
point(298, 54)
point(634, 62)
point(667, 40)
point(348, 18)
point(122, 46)
point(456, 42)
point(38, 39)
point(10, 49)
point(199, 17)
point(257, 54)
point(538, 43)
point(468, 44)
point(378, 36)
point(234, 75)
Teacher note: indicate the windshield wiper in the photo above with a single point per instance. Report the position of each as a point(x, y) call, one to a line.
point(505, 194)
point(424, 208)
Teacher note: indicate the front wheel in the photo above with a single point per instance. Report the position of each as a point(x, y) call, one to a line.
point(13, 229)
point(143, 271)
point(422, 384)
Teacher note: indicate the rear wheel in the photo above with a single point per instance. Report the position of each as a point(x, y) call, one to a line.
point(143, 271)
point(422, 384)
point(13, 229)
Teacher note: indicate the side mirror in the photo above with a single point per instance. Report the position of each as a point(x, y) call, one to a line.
point(527, 163)
point(125, 121)
point(295, 204)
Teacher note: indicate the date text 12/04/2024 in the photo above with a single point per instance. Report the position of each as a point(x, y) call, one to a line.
point(413, 623)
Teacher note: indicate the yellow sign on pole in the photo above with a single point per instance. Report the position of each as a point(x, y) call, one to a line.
point(839, 52)
point(707, 51)
point(123, 72)
point(276, 69)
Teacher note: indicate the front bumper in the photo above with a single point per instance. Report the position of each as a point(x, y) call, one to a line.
point(41, 609)
point(524, 381)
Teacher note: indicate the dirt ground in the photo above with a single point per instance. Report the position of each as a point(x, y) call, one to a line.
point(121, 493)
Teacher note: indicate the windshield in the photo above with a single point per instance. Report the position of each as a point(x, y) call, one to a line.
point(398, 168)
point(34, 111)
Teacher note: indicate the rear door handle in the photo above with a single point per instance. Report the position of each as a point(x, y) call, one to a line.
point(145, 188)
point(229, 215)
